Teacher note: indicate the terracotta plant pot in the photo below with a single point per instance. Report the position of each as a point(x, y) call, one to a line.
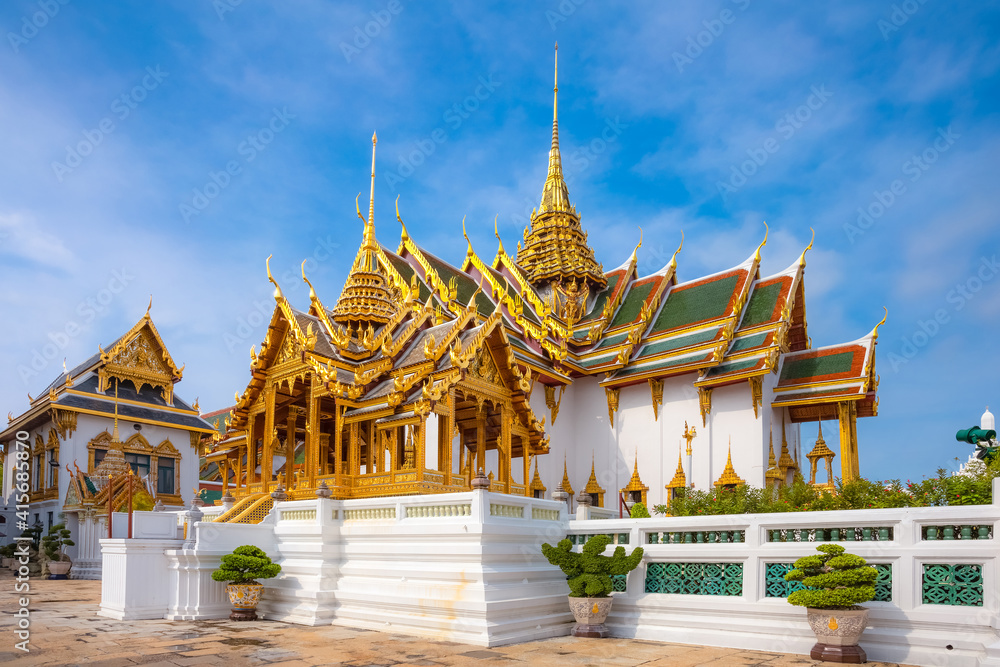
point(58, 569)
point(244, 598)
point(837, 633)
point(590, 614)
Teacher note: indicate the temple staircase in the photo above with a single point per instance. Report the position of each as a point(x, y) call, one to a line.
point(251, 509)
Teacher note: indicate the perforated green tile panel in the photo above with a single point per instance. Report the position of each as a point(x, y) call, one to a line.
point(797, 369)
point(954, 585)
point(631, 304)
point(695, 304)
point(619, 581)
point(695, 578)
point(775, 585)
point(761, 305)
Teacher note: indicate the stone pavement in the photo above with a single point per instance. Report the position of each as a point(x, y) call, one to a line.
point(65, 630)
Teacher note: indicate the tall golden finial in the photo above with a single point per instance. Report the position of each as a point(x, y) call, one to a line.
point(371, 198)
point(555, 195)
point(114, 432)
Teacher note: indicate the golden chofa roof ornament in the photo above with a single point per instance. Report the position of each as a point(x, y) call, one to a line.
point(367, 296)
point(555, 246)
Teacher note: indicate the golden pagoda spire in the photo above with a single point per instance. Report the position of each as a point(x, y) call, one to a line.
point(680, 479)
point(785, 462)
point(729, 476)
point(555, 249)
point(566, 486)
point(773, 473)
point(635, 483)
point(113, 462)
point(367, 297)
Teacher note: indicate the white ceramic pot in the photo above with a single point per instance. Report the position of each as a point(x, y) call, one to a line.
point(59, 568)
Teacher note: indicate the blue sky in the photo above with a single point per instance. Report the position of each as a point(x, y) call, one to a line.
point(168, 148)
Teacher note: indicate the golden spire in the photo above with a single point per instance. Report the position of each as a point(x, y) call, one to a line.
point(680, 479)
point(367, 297)
point(772, 465)
point(785, 462)
point(729, 476)
point(555, 248)
point(113, 462)
point(566, 486)
point(635, 483)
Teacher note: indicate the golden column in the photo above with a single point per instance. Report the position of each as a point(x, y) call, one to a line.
point(480, 440)
point(251, 451)
point(268, 440)
point(292, 419)
point(312, 433)
point(847, 411)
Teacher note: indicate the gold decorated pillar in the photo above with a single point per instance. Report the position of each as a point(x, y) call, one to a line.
point(354, 454)
point(312, 434)
point(224, 469)
point(251, 451)
point(268, 440)
point(480, 440)
point(237, 479)
point(847, 411)
point(526, 463)
point(506, 452)
point(294, 412)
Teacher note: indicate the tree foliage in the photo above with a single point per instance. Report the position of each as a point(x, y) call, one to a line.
point(589, 572)
point(245, 565)
point(835, 579)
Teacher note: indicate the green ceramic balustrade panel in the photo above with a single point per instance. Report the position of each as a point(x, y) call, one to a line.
point(695, 578)
point(697, 537)
point(775, 585)
point(616, 538)
point(619, 582)
point(865, 534)
point(974, 532)
point(954, 585)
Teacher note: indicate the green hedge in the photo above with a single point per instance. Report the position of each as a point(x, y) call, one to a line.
point(974, 488)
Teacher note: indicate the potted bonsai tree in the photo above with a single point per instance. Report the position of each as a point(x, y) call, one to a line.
point(242, 569)
point(7, 554)
point(837, 582)
point(52, 546)
point(589, 577)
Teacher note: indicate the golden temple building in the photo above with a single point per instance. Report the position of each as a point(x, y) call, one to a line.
point(423, 373)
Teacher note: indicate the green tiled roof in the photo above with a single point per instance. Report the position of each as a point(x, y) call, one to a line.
point(696, 304)
point(732, 367)
point(661, 365)
point(798, 369)
point(591, 362)
point(602, 298)
point(466, 285)
point(761, 306)
point(611, 341)
point(632, 304)
point(406, 271)
point(747, 343)
point(678, 343)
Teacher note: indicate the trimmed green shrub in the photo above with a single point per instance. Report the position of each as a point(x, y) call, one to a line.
point(589, 573)
point(639, 511)
point(245, 565)
point(53, 543)
point(835, 579)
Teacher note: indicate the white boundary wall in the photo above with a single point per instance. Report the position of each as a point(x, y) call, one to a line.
point(468, 567)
